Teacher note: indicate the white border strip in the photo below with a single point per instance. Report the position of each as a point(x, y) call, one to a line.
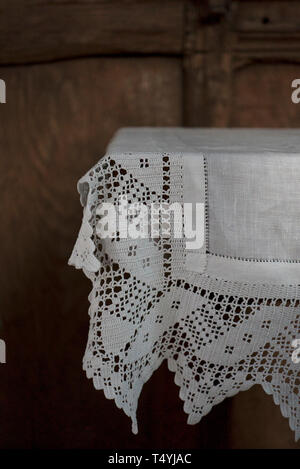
point(194, 192)
point(281, 273)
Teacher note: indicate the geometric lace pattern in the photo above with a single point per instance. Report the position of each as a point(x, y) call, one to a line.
point(218, 337)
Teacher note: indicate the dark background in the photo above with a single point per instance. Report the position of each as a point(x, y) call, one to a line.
point(75, 72)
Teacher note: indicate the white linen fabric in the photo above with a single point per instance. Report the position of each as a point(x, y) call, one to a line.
point(224, 315)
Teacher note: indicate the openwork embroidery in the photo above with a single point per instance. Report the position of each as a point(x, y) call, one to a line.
point(218, 337)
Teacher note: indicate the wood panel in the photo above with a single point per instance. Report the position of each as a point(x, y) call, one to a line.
point(261, 95)
point(221, 41)
point(47, 30)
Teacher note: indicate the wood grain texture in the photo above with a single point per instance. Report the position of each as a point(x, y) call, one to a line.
point(47, 30)
point(217, 47)
point(261, 95)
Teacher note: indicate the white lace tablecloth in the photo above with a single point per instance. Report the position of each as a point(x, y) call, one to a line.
point(226, 314)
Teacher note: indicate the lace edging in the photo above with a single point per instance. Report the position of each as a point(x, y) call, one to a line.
point(110, 394)
point(83, 256)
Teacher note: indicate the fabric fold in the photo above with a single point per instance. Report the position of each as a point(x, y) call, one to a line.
point(83, 253)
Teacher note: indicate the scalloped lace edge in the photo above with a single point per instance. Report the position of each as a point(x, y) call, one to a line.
point(178, 381)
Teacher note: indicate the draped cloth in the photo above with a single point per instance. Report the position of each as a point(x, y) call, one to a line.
point(224, 314)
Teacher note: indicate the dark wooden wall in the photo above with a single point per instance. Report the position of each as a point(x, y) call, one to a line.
point(76, 72)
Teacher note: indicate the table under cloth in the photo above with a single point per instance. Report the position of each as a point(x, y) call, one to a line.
point(225, 313)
